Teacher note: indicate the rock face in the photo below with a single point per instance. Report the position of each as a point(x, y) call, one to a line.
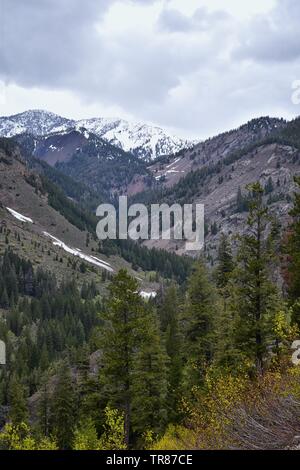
point(170, 170)
point(143, 140)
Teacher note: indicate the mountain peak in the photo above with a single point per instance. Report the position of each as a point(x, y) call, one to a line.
point(143, 140)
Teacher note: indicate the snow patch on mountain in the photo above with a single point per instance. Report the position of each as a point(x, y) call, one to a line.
point(19, 216)
point(36, 122)
point(143, 140)
point(77, 252)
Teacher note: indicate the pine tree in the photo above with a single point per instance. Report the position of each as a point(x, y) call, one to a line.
point(225, 352)
point(199, 311)
point(256, 299)
point(169, 319)
point(166, 309)
point(44, 408)
point(63, 408)
point(18, 409)
point(134, 361)
point(119, 342)
point(225, 262)
point(149, 380)
point(4, 301)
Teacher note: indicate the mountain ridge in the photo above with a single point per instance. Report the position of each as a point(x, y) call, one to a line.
point(143, 140)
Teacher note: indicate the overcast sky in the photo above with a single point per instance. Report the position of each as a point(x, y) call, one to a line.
point(196, 67)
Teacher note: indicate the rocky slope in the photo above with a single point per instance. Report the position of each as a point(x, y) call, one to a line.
point(103, 168)
point(170, 170)
point(34, 229)
point(215, 171)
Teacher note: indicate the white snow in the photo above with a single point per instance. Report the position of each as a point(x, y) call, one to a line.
point(173, 163)
point(148, 295)
point(19, 216)
point(75, 252)
point(147, 140)
point(271, 159)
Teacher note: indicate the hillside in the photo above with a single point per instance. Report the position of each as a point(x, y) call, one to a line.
point(169, 170)
point(263, 150)
point(65, 209)
point(49, 233)
point(212, 172)
point(78, 329)
point(103, 168)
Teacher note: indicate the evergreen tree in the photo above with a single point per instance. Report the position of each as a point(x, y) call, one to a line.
point(134, 362)
point(199, 311)
point(169, 319)
point(119, 343)
point(63, 408)
point(225, 351)
point(256, 298)
point(44, 407)
point(17, 400)
point(149, 380)
point(225, 262)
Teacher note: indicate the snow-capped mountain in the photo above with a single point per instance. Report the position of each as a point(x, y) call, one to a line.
point(143, 140)
point(36, 122)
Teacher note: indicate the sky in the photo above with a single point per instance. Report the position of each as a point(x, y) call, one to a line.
point(194, 67)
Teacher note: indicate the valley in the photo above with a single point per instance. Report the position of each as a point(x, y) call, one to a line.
point(91, 306)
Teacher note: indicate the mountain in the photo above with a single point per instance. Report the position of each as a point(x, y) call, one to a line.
point(43, 212)
point(38, 229)
point(143, 140)
point(218, 171)
point(168, 170)
point(86, 158)
point(214, 172)
point(35, 122)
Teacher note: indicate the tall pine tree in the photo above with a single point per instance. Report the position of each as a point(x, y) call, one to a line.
point(198, 324)
point(256, 300)
point(63, 408)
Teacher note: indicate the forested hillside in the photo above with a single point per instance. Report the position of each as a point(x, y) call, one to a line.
point(199, 368)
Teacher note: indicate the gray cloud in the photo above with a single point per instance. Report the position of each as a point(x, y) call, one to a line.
point(274, 37)
point(44, 41)
point(190, 73)
point(174, 21)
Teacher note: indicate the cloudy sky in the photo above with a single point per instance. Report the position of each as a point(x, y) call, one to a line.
point(196, 67)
